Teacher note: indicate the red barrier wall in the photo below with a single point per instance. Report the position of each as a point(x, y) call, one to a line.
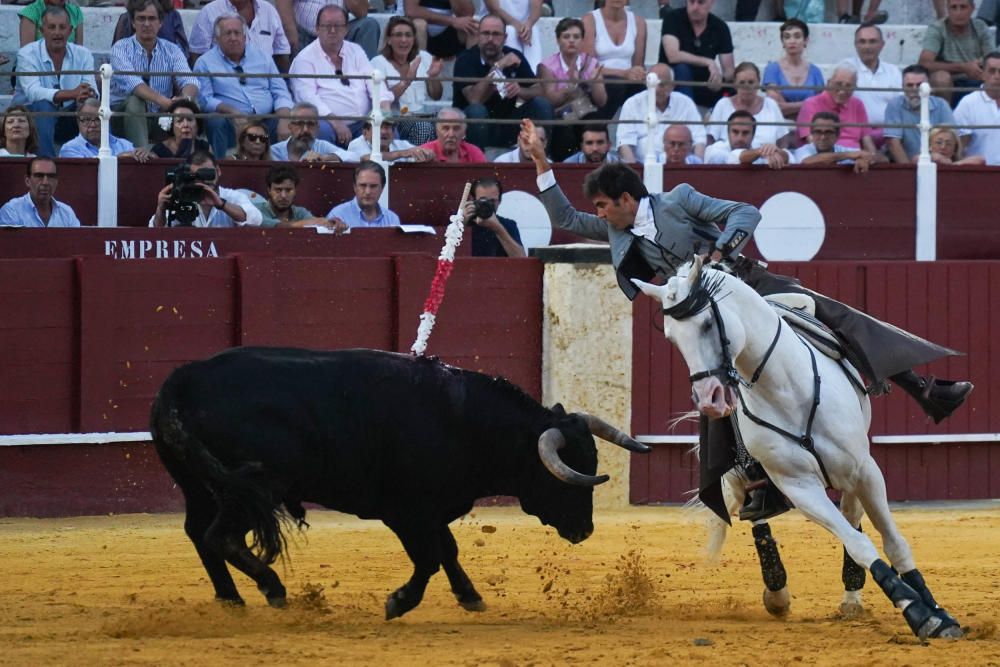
point(868, 216)
point(947, 302)
point(85, 343)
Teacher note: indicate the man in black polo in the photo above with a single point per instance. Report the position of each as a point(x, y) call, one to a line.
point(698, 46)
point(496, 93)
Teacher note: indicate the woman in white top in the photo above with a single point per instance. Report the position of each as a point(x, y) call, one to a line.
point(748, 97)
point(402, 62)
point(521, 17)
point(618, 38)
point(18, 136)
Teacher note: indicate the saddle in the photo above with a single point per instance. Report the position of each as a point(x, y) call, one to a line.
point(799, 312)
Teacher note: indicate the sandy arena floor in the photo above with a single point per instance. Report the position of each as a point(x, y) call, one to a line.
point(130, 590)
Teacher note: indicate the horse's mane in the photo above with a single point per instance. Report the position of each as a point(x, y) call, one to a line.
point(708, 287)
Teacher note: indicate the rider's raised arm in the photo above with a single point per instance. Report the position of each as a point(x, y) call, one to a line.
point(739, 219)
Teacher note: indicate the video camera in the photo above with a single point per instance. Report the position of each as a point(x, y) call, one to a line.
point(186, 193)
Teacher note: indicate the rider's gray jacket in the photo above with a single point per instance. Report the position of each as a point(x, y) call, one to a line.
point(684, 218)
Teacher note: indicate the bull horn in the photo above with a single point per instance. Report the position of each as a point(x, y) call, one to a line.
point(549, 444)
point(606, 431)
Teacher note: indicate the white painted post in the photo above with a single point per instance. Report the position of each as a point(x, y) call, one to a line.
point(652, 171)
point(378, 80)
point(107, 163)
point(926, 237)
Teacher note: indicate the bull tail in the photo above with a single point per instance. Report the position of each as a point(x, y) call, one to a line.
point(242, 495)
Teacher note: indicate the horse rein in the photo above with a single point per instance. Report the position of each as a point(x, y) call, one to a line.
point(695, 302)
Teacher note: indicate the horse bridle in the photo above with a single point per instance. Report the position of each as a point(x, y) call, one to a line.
point(702, 296)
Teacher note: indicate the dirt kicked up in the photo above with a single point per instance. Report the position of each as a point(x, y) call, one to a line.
point(130, 590)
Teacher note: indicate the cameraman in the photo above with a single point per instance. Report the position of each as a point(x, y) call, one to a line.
point(218, 206)
point(492, 236)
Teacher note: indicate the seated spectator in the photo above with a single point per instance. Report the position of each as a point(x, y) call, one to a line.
point(953, 50)
point(330, 54)
point(838, 98)
point(522, 26)
point(792, 69)
point(595, 147)
point(253, 142)
point(184, 128)
point(449, 25)
point(238, 97)
point(171, 28)
point(220, 207)
point(617, 37)
point(903, 143)
point(30, 29)
point(520, 153)
point(364, 210)
point(264, 29)
point(946, 148)
point(825, 149)
point(39, 207)
point(401, 61)
point(279, 209)
point(492, 235)
point(496, 93)
point(87, 143)
point(55, 91)
point(671, 107)
point(18, 136)
point(873, 72)
point(873, 16)
point(450, 145)
point(748, 98)
point(743, 147)
point(145, 52)
point(699, 47)
point(303, 145)
point(678, 147)
point(573, 84)
point(981, 108)
point(299, 20)
point(393, 149)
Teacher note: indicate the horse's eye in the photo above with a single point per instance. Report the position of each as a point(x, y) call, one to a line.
point(706, 326)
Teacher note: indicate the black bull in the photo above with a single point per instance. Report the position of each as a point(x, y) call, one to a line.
point(252, 433)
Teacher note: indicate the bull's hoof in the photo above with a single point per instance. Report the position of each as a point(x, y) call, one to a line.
point(397, 604)
point(472, 605)
point(851, 610)
point(777, 603)
point(277, 603)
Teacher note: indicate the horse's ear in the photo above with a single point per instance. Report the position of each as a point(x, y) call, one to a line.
point(658, 292)
point(695, 274)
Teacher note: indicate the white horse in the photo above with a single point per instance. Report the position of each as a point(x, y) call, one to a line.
point(801, 416)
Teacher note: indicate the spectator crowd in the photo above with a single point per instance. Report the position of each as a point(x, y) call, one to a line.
point(292, 82)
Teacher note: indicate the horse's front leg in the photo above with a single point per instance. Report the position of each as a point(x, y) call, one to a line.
point(777, 599)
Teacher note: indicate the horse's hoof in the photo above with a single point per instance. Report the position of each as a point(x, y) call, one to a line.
point(235, 603)
point(472, 605)
point(851, 610)
point(777, 603)
point(277, 603)
point(950, 632)
point(395, 606)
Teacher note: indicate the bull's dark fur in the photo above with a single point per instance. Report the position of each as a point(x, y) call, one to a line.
point(252, 432)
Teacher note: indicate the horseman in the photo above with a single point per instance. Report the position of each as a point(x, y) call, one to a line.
point(651, 236)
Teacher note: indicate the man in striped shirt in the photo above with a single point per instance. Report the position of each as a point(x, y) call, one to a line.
point(145, 52)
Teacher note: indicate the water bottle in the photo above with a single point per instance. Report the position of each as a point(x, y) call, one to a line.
point(499, 79)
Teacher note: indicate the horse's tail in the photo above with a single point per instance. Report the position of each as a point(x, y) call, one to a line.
point(717, 531)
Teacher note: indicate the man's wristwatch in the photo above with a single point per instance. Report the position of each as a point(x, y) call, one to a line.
point(221, 205)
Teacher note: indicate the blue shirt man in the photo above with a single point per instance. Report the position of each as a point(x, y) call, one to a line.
point(232, 54)
point(364, 209)
point(904, 142)
point(88, 142)
point(39, 208)
point(55, 91)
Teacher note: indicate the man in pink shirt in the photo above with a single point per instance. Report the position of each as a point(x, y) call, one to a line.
point(839, 98)
point(450, 145)
point(331, 54)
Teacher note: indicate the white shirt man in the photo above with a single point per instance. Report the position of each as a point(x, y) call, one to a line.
point(873, 72)
point(631, 139)
point(983, 108)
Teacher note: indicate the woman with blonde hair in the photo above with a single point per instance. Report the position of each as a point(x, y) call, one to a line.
point(253, 142)
point(946, 148)
point(748, 97)
point(18, 136)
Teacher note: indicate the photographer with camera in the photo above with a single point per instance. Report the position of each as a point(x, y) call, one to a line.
point(492, 235)
point(194, 198)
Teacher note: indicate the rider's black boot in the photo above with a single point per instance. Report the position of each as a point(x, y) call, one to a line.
point(937, 398)
point(763, 499)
